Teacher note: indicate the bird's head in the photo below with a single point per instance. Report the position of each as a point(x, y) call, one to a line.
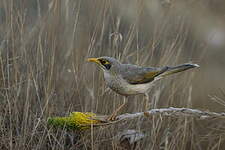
point(106, 63)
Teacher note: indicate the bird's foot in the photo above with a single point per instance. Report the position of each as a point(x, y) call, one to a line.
point(112, 117)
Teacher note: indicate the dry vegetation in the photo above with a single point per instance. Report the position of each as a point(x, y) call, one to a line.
point(43, 72)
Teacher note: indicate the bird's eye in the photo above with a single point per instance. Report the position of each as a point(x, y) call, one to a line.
point(104, 61)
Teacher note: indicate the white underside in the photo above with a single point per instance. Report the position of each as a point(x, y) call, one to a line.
point(140, 88)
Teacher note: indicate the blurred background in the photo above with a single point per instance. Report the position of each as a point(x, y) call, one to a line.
point(44, 45)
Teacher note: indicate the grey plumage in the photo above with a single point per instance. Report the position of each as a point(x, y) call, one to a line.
point(127, 79)
point(139, 75)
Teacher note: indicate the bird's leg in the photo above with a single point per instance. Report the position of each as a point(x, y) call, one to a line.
point(112, 117)
point(147, 102)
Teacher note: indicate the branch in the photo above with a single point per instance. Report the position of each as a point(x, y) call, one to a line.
point(84, 120)
point(173, 112)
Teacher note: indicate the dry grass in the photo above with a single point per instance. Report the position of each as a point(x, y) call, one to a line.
point(43, 48)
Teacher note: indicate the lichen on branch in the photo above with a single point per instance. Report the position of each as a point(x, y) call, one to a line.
point(75, 121)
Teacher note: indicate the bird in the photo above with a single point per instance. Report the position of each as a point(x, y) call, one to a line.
point(129, 79)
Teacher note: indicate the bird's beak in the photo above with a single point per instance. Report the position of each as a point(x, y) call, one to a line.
point(93, 60)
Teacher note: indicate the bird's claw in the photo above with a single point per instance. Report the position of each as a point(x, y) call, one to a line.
point(112, 118)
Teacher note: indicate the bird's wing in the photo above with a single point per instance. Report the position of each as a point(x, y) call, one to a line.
point(138, 75)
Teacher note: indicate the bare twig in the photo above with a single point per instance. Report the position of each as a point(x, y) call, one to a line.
point(171, 111)
point(174, 112)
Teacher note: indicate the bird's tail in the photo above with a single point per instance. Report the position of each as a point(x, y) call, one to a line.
point(176, 69)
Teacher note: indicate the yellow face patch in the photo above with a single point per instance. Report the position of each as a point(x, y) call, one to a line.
point(103, 62)
point(107, 65)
